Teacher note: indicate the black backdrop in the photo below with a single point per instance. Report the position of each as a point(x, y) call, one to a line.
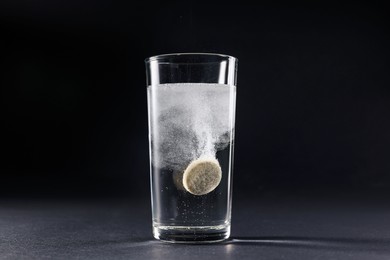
point(313, 105)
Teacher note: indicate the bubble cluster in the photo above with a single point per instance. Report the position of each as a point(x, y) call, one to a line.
point(189, 121)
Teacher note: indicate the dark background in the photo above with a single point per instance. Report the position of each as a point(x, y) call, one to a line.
point(313, 104)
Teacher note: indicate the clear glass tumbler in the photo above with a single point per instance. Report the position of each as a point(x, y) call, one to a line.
point(191, 106)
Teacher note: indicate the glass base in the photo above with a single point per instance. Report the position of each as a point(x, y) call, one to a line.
point(191, 234)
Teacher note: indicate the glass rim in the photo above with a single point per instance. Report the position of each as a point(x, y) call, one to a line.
point(183, 54)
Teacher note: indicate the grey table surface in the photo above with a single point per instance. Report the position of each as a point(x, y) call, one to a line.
point(261, 229)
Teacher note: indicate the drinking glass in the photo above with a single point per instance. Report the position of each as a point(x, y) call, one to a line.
point(191, 112)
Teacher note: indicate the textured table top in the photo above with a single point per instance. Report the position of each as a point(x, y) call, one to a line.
point(261, 229)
